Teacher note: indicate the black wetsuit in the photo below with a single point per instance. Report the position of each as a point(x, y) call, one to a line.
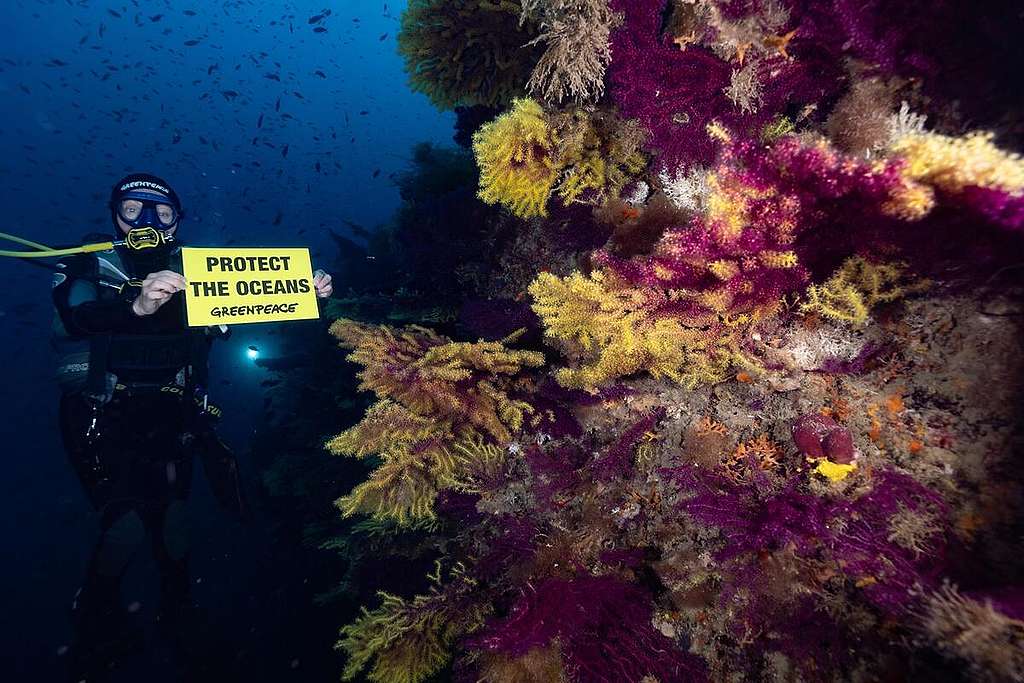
point(135, 463)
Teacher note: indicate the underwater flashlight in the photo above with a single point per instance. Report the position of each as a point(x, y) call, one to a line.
point(252, 352)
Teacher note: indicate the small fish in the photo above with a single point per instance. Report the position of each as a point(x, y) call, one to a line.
point(190, 13)
point(114, 13)
point(277, 106)
point(259, 121)
point(229, 94)
point(319, 29)
point(278, 218)
point(319, 73)
point(383, 37)
point(364, 112)
point(316, 18)
point(156, 17)
point(253, 348)
point(284, 151)
point(211, 69)
point(376, 173)
point(190, 43)
point(273, 77)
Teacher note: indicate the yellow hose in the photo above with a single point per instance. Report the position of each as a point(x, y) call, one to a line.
point(22, 240)
point(43, 251)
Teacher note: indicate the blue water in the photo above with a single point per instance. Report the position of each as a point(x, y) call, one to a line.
point(90, 91)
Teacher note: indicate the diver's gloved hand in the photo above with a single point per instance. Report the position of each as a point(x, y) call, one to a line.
point(322, 284)
point(157, 289)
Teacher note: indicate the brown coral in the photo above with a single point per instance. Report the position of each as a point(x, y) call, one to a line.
point(991, 642)
point(577, 38)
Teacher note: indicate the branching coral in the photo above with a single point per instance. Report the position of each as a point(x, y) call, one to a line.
point(433, 393)
point(855, 535)
point(540, 665)
point(433, 376)
point(988, 178)
point(514, 153)
point(406, 641)
point(413, 462)
point(619, 332)
point(677, 81)
point(858, 286)
point(976, 632)
point(603, 627)
point(524, 155)
point(597, 154)
point(686, 189)
point(577, 53)
point(467, 52)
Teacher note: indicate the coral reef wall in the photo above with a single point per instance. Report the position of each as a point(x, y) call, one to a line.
point(709, 368)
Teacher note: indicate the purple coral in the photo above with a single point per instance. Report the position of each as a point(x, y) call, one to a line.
point(676, 92)
point(603, 627)
point(856, 535)
point(617, 459)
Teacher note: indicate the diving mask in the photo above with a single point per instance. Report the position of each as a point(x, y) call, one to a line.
point(146, 210)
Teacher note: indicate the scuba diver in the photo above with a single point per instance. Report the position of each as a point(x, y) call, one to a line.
point(134, 411)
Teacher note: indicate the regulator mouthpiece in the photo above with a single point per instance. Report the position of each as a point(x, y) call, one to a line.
point(145, 238)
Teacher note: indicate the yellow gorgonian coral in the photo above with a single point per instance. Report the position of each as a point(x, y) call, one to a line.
point(580, 308)
point(856, 287)
point(413, 463)
point(407, 641)
point(514, 153)
point(438, 378)
point(434, 393)
point(596, 152)
point(615, 334)
point(952, 164)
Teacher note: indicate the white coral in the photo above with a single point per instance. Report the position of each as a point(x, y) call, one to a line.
point(639, 193)
point(686, 189)
point(905, 122)
point(744, 89)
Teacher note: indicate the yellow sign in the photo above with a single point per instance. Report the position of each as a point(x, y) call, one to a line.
point(233, 286)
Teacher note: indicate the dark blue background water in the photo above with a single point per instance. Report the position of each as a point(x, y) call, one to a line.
point(91, 90)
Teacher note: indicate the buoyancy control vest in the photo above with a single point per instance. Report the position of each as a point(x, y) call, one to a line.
point(96, 364)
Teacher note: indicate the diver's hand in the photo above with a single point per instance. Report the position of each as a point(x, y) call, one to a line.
point(322, 283)
point(157, 289)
